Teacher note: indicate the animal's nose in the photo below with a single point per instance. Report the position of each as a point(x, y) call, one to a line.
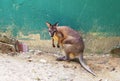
point(52, 35)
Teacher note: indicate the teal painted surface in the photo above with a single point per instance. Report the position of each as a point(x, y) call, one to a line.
point(29, 16)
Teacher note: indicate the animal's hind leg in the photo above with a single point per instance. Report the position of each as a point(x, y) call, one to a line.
point(67, 45)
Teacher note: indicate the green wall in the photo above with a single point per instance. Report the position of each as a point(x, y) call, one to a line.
point(29, 16)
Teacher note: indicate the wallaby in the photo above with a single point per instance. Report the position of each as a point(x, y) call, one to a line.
point(71, 42)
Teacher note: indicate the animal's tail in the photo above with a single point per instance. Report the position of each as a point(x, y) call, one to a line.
point(84, 65)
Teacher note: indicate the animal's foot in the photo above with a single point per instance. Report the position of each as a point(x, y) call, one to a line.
point(64, 58)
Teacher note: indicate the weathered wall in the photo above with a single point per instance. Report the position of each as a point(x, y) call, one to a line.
point(29, 16)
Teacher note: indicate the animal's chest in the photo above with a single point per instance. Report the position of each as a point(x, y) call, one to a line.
point(56, 38)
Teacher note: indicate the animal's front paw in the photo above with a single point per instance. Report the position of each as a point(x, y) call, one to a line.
point(53, 45)
point(58, 46)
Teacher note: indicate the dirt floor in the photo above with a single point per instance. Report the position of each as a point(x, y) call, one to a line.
point(40, 66)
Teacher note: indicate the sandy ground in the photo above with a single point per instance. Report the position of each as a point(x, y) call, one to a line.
point(44, 67)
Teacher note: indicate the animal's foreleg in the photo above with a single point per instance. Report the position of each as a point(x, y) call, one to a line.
point(58, 44)
point(53, 42)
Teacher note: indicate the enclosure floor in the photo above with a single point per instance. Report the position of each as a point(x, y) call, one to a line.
point(44, 67)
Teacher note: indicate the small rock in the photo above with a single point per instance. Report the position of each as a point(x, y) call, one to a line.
point(106, 79)
point(38, 79)
point(65, 66)
point(28, 56)
point(100, 80)
point(71, 80)
point(30, 60)
point(38, 52)
point(43, 61)
point(31, 51)
point(75, 67)
point(113, 69)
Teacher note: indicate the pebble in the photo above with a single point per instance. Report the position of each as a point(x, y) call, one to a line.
point(43, 60)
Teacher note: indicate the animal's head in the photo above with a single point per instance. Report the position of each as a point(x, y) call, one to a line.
point(52, 29)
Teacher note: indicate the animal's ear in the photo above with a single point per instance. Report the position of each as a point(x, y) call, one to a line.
point(56, 24)
point(48, 24)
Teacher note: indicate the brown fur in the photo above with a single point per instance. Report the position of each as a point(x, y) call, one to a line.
point(71, 42)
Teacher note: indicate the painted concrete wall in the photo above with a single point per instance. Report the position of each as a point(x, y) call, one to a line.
point(29, 16)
